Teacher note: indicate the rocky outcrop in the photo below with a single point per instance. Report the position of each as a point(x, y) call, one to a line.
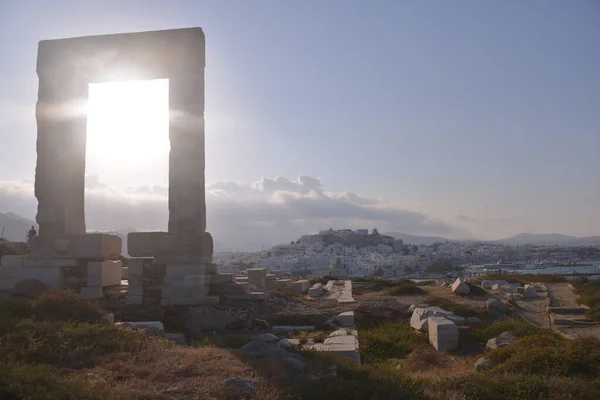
point(504, 339)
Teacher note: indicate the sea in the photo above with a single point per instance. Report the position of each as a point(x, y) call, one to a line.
point(593, 268)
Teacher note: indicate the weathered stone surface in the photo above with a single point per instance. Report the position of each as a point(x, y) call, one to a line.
point(460, 287)
point(124, 273)
point(23, 261)
point(246, 386)
point(104, 273)
point(153, 327)
point(509, 288)
point(495, 306)
point(65, 67)
point(30, 288)
point(346, 319)
point(483, 364)
point(529, 292)
point(151, 244)
point(222, 278)
point(339, 332)
point(134, 300)
point(419, 317)
point(443, 334)
point(187, 280)
point(190, 301)
point(184, 291)
point(266, 338)
point(185, 269)
point(504, 339)
point(301, 285)
point(177, 338)
point(489, 284)
point(316, 290)
point(283, 283)
point(88, 246)
point(91, 292)
point(257, 273)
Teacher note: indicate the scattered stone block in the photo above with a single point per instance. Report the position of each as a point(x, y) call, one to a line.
point(251, 296)
point(509, 288)
point(339, 332)
point(185, 269)
point(222, 278)
point(460, 287)
point(187, 280)
point(483, 364)
point(152, 327)
point(184, 291)
point(89, 246)
point(443, 334)
point(284, 283)
point(419, 317)
point(246, 386)
point(292, 328)
point(190, 301)
point(346, 319)
point(495, 306)
point(301, 285)
point(529, 292)
point(489, 284)
point(266, 338)
point(316, 290)
point(30, 288)
point(104, 273)
point(134, 300)
point(504, 339)
point(23, 261)
point(91, 292)
point(177, 338)
point(151, 244)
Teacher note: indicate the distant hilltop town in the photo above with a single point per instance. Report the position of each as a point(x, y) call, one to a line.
point(361, 253)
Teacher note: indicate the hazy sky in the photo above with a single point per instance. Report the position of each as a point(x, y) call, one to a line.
point(459, 118)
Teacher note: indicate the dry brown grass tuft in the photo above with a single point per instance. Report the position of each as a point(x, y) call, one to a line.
point(151, 375)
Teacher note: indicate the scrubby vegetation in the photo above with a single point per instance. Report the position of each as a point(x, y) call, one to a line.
point(389, 341)
point(404, 289)
point(589, 295)
point(455, 307)
point(49, 352)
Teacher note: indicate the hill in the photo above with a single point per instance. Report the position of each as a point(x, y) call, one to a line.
point(547, 239)
point(13, 227)
point(417, 240)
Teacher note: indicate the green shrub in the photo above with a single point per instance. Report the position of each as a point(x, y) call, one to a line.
point(588, 291)
point(593, 314)
point(546, 355)
point(449, 305)
point(12, 310)
point(379, 382)
point(520, 328)
point(492, 386)
point(388, 341)
point(65, 305)
point(70, 344)
point(18, 381)
point(475, 290)
point(404, 289)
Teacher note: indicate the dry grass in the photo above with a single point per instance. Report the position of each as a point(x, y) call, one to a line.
point(151, 376)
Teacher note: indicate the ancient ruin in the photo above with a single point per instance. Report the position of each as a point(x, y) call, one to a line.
point(64, 255)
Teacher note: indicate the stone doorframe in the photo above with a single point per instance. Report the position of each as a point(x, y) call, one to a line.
point(65, 67)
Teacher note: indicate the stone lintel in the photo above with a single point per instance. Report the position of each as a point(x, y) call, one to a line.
point(169, 247)
point(23, 261)
point(87, 246)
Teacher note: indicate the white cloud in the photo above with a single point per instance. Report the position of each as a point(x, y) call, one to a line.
point(268, 211)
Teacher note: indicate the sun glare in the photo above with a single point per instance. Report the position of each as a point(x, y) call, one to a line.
point(127, 130)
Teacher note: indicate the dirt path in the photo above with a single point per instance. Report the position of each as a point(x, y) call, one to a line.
point(561, 295)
